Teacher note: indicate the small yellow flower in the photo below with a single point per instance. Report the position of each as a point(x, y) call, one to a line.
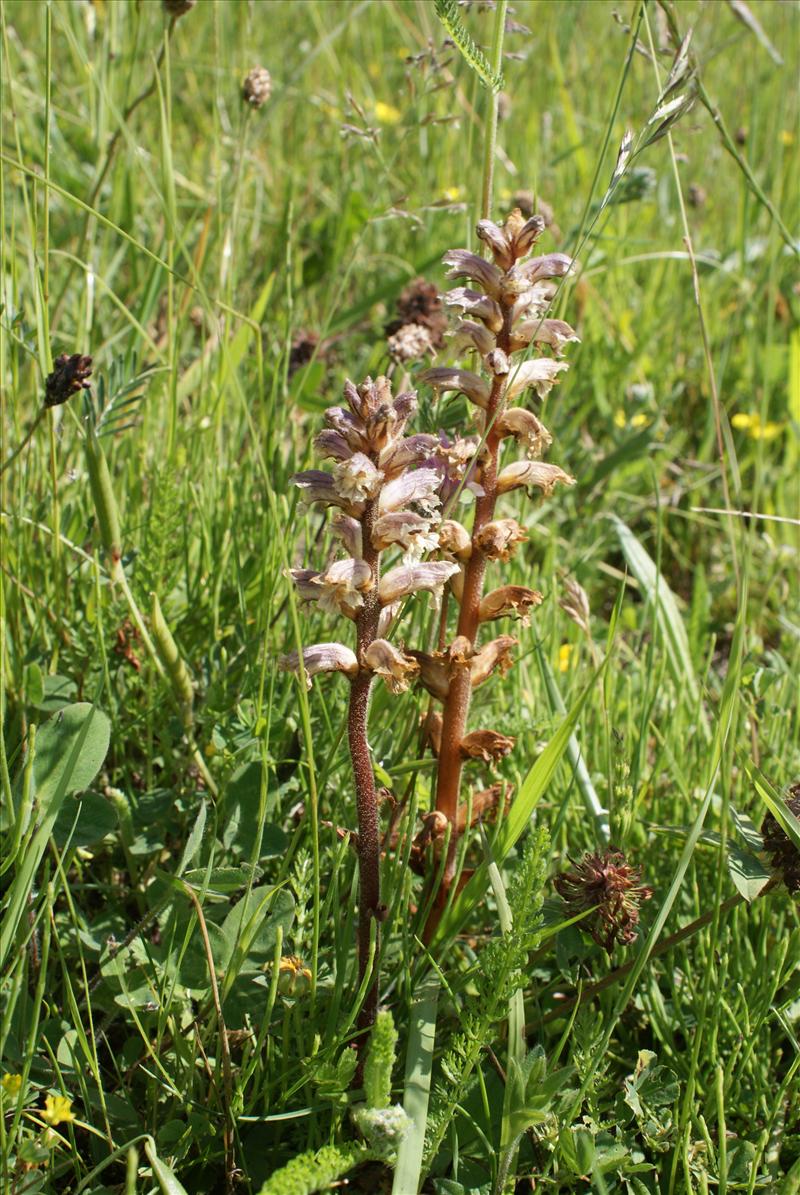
point(619, 418)
point(639, 420)
point(564, 657)
point(374, 71)
point(755, 429)
point(294, 976)
point(58, 1110)
point(11, 1085)
point(451, 194)
point(787, 137)
point(387, 113)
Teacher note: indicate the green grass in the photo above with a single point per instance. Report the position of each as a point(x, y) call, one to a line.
point(184, 263)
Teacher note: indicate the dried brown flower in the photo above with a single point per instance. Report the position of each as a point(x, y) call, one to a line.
point(420, 303)
point(409, 343)
point(304, 345)
point(784, 855)
point(611, 887)
point(70, 376)
point(257, 87)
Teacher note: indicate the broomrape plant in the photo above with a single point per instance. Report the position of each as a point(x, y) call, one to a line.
point(392, 490)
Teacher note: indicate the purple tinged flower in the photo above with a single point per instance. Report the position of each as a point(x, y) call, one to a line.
point(541, 374)
point(397, 669)
point(430, 577)
point(405, 529)
point(554, 332)
point(322, 657)
point(387, 617)
point(468, 333)
point(357, 479)
point(342, 585)
point(551, 265)
point(532, 473)
point(317, 486)
point(419, 486)
point(494, 236)
point(447, 378)
point(458, 465)
point(349, 426)
point(467, 265)
point(530, 232)
point(348, 530)
point(333, 445)
point(526, 429)
point(409, 451)
point(304, 579)
point(480, 306)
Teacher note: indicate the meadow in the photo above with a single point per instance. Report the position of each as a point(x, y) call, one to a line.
point(608, 998)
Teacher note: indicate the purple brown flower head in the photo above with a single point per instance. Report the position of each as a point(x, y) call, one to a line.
point(420, 304)
point(257, 87)
point(70, 376)
point(177, 8)
point(784, 855)
point(612, 888)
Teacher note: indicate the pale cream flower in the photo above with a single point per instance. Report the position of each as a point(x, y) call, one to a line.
point(418, 486)
point(348, 530)
point(342, 585)
point(473, 335)
point(357, 479)
point(454, 539)
point(431, 577)
point(322, 657)
point(317, 486)
point(541, 374)
point(397, 669)
point(554, 332)
point(526, 429)
point(410, 451)
point(405, 529)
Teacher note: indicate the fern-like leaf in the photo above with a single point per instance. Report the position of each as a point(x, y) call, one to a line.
point(448, 14)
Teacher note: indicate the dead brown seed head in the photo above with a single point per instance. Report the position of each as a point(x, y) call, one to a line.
point(784, 855)
point(257, 87)
point(611, 887)
point(70, 375)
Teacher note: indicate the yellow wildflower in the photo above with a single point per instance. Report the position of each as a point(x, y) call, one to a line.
point(787, 137)
point(619, 418)
point(11, 1085)
point(294, 976)
point(755, 429)
point(387, 113)
point(58, 1110)
point(374, 71)
point(451, 194)
point(639, 420)
point(564, 657)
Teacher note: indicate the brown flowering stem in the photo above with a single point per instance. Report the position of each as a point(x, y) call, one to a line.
point(456, 705)
point(369, 843)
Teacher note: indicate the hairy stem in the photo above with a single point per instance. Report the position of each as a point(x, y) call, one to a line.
point(456, 705)
point(369, 846)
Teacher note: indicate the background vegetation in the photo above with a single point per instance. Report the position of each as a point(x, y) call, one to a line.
point(184, 240)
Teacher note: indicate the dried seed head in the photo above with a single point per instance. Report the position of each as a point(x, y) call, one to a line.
point(498, 540)
point(257, 87)
point(420, 304)
point(409, 343)
point(610, 886)
point(305, 344)
point(177, 8)
point(784, 855)
point(70, 375)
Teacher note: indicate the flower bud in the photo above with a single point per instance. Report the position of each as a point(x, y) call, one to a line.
point(494, 236)
point(294, 977)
